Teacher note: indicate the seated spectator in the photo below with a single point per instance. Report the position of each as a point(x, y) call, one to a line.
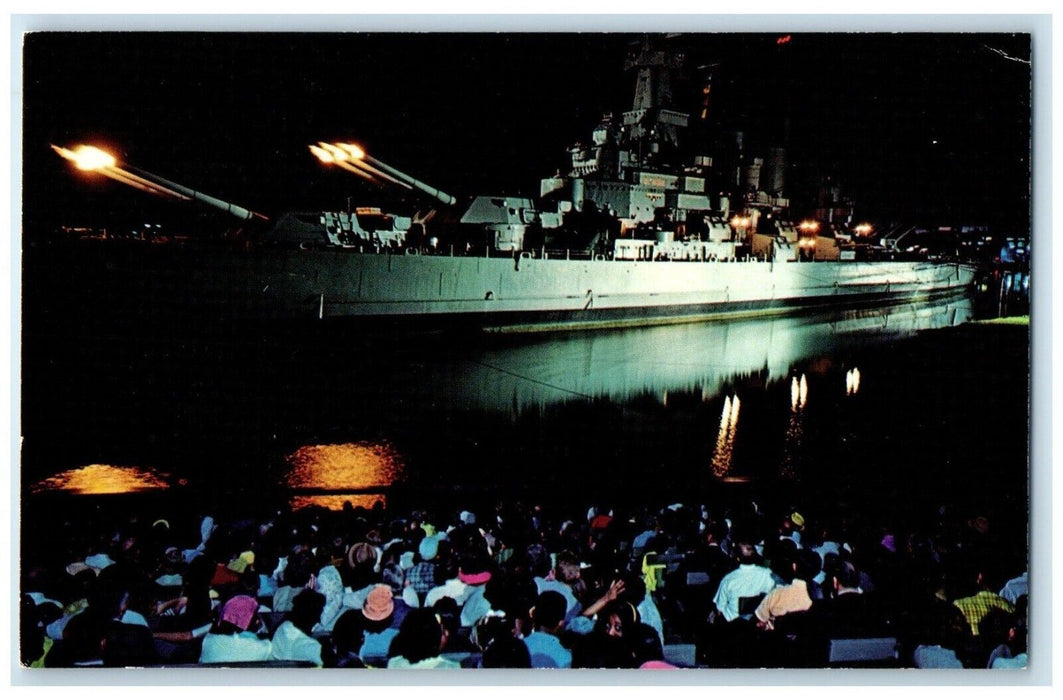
point(451, 587)
point(709, 557)
point(791, 527)
point(82, 642)
point(749, 580)
point(1016, 587)
point(419, 643)
point(544, 646)
point(606, 646)
point(378, 611)
point(975, 607)
point(847, 612)
point(233, 639)
point(798, 569)
point(475, 571)
point(562, 578)
point(646, 648)
point(31, 638)
point(506, 651)
point(421, 576)
point(1004, 635)
point(292, 640)
point(329, 583)
point(295, 577)
point(450, 617)
point(942, 640)
point(635, 592)
point(348, 635)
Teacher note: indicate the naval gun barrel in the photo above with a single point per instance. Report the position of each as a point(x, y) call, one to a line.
point(411, 181)
point(239, 212)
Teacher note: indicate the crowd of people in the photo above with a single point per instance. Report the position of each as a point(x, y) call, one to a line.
point(521, 586)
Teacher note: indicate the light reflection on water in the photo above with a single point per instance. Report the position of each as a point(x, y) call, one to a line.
point(852, 381)
point(725, 439)
point(531, 382)
point(329, 475)
point(103, 479)
point(702, 357)
point(795, 430)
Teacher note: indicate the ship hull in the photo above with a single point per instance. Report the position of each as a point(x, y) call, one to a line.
point(493, 294)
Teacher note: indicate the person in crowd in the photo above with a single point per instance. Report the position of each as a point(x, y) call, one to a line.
point(234, 638)
point(798, 569)
point(298, 574)
point(348, 635)
point(1003, 636)
point(749, 580)
point(449, 615)
point(1016, 587)
point(475, 571)
point(709, 557)
point(561, 578)
point(646, 648)
point(360, 575)
point(378, 613)
point(419, 643)
point(328, 583)
point(82, 641)
point(607, 646)
point(943, 639)
point(448, 570)
point(31, 637)
point(792, 527)
point(422, 576)
point(976, 606)
point(635, 592)
point(847, 611)
point(506, 651)
point(293, 640)
point(544, 646)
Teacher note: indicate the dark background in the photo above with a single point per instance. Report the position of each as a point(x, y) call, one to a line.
point(232, 114)
point(943, 417)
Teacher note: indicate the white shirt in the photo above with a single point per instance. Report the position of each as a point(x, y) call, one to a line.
point(233, 648)
point(292, 644)
point(453, 588)
point(746, 581)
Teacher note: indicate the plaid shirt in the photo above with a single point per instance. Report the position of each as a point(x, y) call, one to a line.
point(976, 607)
point(422, 577)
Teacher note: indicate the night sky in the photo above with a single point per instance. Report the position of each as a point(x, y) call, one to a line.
point(920, 128)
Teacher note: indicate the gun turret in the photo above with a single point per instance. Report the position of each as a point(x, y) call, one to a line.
point(93, 159)
point(239, 212)
point(412, 181)
point(354, 159)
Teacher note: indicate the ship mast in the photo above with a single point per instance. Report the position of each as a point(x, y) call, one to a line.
point(651, 127)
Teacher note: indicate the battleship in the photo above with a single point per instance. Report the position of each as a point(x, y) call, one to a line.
point(643, 229)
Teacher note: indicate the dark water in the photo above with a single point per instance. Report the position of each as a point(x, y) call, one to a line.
point(892, 409)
